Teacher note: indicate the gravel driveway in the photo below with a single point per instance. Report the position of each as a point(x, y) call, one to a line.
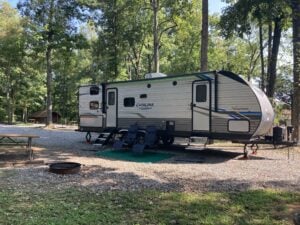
point(218, 169)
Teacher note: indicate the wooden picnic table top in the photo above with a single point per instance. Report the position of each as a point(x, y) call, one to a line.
point(19, 135)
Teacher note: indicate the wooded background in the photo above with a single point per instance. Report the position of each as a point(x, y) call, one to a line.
point(48, 48)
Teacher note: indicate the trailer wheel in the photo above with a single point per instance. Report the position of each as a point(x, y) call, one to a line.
point(168, 140)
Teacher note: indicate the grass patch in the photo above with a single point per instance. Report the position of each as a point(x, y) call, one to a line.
point(147, 207)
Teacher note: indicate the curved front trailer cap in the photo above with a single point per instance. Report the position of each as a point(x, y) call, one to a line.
point(267, 112)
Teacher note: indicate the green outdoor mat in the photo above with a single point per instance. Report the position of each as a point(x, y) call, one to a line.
point(128, 155)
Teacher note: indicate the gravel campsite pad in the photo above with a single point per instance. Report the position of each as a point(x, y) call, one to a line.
point(220, 169)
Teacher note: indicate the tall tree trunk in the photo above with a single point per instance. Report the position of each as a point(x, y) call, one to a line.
point(49, 106)
point(262, 63)
point(296, 51)
point(149, 60)
point(204, 36)
point(136, 62)
point(9, 107)
point(270, 32)
point(49, 86)
point(25, 114)
point(274, 56)
point(8, 96)
point(115, 38)
point(13, 107)
point(155, 7)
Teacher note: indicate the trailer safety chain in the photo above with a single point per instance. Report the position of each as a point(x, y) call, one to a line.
point(254, 148)
point(245, 152)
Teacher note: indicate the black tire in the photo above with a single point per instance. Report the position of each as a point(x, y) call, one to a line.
point(168, 140)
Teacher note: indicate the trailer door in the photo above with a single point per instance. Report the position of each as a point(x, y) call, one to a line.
point(201, 106)
point(112, 106)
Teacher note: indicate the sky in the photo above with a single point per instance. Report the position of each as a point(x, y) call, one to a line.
point(215, 6)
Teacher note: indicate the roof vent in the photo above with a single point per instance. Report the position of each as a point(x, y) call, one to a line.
point(154, 75)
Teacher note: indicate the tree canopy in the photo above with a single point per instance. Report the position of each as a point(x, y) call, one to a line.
point(50, 47)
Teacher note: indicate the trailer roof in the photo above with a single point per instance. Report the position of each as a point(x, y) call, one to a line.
point(170, 76)
point(200, 75)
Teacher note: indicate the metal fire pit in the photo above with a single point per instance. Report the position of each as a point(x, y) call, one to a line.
point(65, 168)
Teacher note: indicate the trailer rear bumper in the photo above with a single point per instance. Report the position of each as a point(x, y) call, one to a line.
point(89, 129)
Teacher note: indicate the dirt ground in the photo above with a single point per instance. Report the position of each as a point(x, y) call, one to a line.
point(219, 168)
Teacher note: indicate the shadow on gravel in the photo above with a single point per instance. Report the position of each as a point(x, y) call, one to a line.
point(181, 155)
point(209, 155)
point(13, 156)
point(99, 178)
point(95, 178)
point(59, 155)
point(229, 185)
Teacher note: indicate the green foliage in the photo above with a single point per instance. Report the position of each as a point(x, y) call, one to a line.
point(51, 23)
point(52, 30)
point(15, 81)
point(238, 17)
point(146, 207)
point(98, 41)
point(241, 16)
point(182, 43)
point(125, 43)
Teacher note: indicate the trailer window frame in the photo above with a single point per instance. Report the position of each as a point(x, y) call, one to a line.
point(201, 93)
point(232, 123)
point(94, 105)
point(94, 90)
point(129, 102)
point(111, 98)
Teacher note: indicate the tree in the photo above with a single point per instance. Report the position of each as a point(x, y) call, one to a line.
point(155, 7)
point(11, 55)
point(204, 36)
point(140, 47)
point(296, 51)
point(180, 52)
point(110, 48)
point(164, 13)
point(238, 17)
point(52, 26)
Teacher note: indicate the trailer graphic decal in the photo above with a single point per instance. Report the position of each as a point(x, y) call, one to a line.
point(144, 106)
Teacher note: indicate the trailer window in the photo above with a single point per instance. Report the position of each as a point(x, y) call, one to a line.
point(129, 102)
point(201, 93)
point(94, 90)
point(111, 98)
point(94, 105)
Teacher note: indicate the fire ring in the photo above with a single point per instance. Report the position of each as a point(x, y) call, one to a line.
point(65, 168)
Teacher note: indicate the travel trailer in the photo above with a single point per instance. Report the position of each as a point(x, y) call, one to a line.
point(217, 105)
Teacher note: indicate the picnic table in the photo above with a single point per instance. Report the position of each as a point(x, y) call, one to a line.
point(12, 139)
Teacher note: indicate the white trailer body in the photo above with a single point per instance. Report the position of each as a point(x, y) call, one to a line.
point(90, 108)
point(218, 105)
